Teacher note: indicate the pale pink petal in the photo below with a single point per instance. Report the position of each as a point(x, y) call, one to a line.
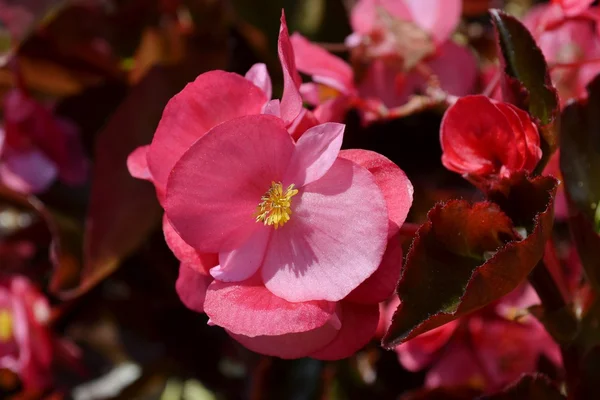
point(359, 323)
point(315, 152)
point(393, 182)
point(364, 17)
point(319, 254)
point(201, 262)
point(291, 101)
point(191, 287)
point(242, 262)
point(27, 171)
point(438, 17)
point(456, 67)
point(273, 108)
point(381, 285)
point(248, 308)
point(259, 75)
point(318, 62)
point(137, 163)
point(217, 184)
point(291, 345)
point(214, 97)
point(310, 93)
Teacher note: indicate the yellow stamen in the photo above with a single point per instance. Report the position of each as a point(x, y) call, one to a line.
point(6, 325)
point(275, 205)
point(327, 93)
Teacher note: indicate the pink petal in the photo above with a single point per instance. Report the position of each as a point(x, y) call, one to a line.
point(201, 262)
point(242, 262)
point(359, 323)
point(418, 353)
point(438, 17)
point(273, 108)
point(456, 67)
point(27, 171)
point(291, 101)
point(381, 285)
point(318, 62)
point(217, 184)
point(393, 182)
point(248, 308)
point(191, 287)
point(137, 163)
point(364, 17)
point(303, 122)
point(315, 152)
point(291, 345)
point(573, 8)
point(214, 97)
point(318, 254)
point(333, 110)
point(259, 75)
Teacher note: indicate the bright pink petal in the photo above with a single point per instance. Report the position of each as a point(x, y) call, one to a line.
point(359, 323)
point(381, 285)
point(574, 7)
point(291, 345)
point(28, 171)
point(137, 163)
point(291, 101)
point(393, 182)
point(303, 122)
point(315, 152)
point(214, 97)
point(318, 254)
point(242, 262)
point(438, 17)
point(456, 67)
point(217, 184)
point(318, 62)
point(191, 287)
point(201, 262)
point(248, 308)
point(259, 75)
point(418, 353)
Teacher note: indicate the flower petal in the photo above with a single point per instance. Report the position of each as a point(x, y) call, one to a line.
point(318, 62)
point(242, 262)
point(438, 17)
point(259, 75)
point(291, 101)
point(291, 345)
point(315, 152)
point(137, 163)
point(201, 262)
point(456, 67)
point(191, 287)
point(214, 97)
point(217, 184)
point(27, 171)
point(393, 182)
point(381, 285)
point(249, 309)
point(318, 255)
point(359, 323)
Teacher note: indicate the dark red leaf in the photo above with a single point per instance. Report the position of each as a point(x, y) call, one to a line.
point(467, 256)
point(526, 80)
point(529, 387)
point(443, 393)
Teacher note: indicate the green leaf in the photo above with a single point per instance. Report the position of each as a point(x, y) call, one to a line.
point(580, 167)
point(467, 256)
point(527, 81)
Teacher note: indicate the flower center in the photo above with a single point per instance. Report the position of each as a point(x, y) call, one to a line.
point(6, 325)
point(274, 207)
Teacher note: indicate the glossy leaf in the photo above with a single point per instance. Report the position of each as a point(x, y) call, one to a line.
point(527, 81)
point(468, 255)
point(529, 387)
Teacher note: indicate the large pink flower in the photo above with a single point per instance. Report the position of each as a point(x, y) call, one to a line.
point(386, 51)
point(36, 147)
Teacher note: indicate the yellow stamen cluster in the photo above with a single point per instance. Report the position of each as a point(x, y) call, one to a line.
point(275, 205)
point(6, 325)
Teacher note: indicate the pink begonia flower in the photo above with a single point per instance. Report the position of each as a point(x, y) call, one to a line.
point(27, 346)
point(567, 32)
point(37, 148)
point(493, 346)
point(388, 78)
